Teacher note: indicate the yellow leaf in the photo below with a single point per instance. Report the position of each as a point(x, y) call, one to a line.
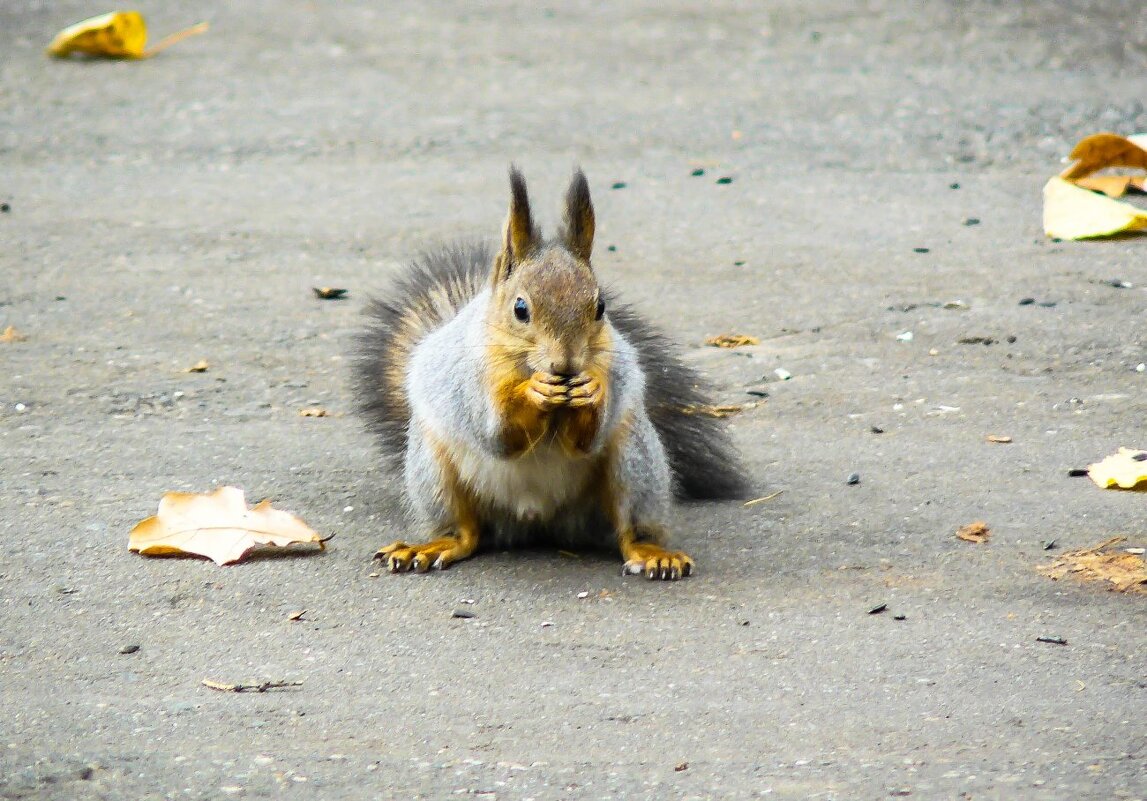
point(119, 34)
point(218, 526)
point(1126, 469)
point(10, 334)
point(1071, 212)
point(732, 340)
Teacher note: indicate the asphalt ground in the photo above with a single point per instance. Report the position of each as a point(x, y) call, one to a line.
point(181, 208)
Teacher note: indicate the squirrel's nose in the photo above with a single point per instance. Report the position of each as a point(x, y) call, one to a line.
point(566, 365)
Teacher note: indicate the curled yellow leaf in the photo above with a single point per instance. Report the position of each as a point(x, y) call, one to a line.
point(1126, 469)
point(118, 34)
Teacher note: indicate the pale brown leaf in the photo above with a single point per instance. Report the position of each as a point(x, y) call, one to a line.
point(218, 526)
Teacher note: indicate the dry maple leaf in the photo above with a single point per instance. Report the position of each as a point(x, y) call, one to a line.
point(119, 34)
point(1126, 469)
point(974, 532)
point(218, 526)
point(732, 340)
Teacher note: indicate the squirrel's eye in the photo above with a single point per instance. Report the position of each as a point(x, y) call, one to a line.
point(521, 310)
point(600, 309)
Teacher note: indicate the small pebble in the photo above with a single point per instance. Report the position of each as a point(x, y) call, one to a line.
point(900, 617)
point(462, 613)
point(1119, 284)
point(876, 430)
point(612, 248)
point(1141, 367)
point(782, 374)
point(905, 336)
point(876, 610)
point(129, 649)
point(1027, 301)
point(583, 594)
point(853, 478)
point(5, 208)
point(1011, 340)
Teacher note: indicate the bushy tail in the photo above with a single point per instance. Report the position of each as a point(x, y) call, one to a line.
point(702, 458)
point(429, 294)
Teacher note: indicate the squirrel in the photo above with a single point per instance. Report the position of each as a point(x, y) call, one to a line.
point(522, 403)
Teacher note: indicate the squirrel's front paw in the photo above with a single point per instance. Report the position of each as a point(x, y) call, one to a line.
point(547, 391)
point(583, 390)
point(654, 562)
point(436, 554)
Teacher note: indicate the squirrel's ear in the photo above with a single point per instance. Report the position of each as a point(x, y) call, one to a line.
point(519, 237)
point(577, 232)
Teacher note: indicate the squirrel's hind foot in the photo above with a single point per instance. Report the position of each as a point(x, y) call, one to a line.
point(437, 554)
point(655, 562)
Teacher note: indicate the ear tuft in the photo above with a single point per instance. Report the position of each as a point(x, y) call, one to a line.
point(578, 228)
point(519, 236)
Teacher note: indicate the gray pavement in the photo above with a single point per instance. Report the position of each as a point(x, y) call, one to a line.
point(181, 209)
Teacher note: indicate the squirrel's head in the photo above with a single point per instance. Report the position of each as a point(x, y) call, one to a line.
point(546, 307)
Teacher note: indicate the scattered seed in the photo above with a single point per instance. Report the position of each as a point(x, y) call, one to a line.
point(782, 374)
point(1027, 301)
point(612, 248)
point(5, 208)
point(1049, 545)
point(876, 430)
point(971, 221)
point(329, 292)
point(744, 622)
point(373, 575)
point(1052, 640)
point(1047, 304)
point(900, 617)
point(999, 438)
point(921, 250)
point(725, 179)
point(905, 336)
point(618, 185)
point(1011, 340)
point(297, 614)
point(680, 766)
point(465, 614)
point(758, 392)
point(1139, 457)
point(547, 624)
point(953, 186)
point(740, 263)
point(876, 610)
point(583, 595)
point(853, 478)
point(698, 172)
point(1119, 284)
point(976, 341)
point(129, 649)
